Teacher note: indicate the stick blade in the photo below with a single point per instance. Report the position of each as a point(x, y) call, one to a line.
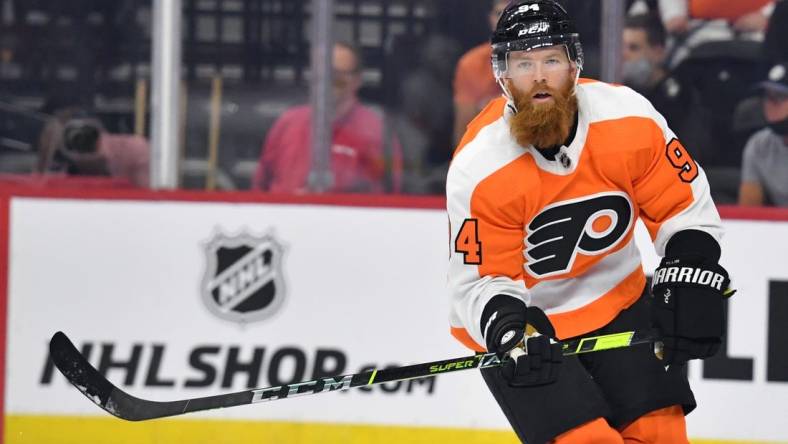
point(86, 378)
point(118, 403)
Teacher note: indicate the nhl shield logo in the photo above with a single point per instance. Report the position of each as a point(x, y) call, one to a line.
point(243, 280)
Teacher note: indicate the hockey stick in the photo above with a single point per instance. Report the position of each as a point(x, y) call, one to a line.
point(115, 401)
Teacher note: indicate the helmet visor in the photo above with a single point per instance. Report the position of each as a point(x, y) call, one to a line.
point(518, 64)
point(514, 59)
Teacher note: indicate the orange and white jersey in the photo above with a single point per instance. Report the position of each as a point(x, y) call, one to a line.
point(559, 234)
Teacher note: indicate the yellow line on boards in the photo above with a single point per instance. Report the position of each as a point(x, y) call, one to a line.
point(94, 430)
point(27, 429)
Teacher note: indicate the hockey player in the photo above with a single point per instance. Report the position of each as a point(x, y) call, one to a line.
point(543, 193)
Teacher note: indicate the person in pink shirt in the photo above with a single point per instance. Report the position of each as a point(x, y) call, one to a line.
point(358, 158)
point(127, 156)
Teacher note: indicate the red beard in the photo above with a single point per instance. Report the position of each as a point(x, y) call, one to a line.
point(543, 125)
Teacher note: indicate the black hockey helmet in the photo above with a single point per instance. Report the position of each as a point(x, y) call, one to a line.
point(530, 24)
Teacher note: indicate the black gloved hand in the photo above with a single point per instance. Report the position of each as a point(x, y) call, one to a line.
point(688, 307)
point(535, 364)
point(504, 323)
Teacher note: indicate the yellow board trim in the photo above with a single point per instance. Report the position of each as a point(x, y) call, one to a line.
point(26, 429)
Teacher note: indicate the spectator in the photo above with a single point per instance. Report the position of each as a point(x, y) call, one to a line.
point(358, 159)
point(742, 15)
point(644, 52)
point(693, 22)
point(78, 145)
point(474, 83)
point(644, 71)
point(765, 160)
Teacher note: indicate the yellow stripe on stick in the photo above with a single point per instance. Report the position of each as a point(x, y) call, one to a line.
point(613, 341)
point(372, 377)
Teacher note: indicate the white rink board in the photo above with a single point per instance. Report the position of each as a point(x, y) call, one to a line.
point(367, 282)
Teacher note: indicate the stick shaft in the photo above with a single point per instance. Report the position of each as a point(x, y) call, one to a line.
point(115, 401)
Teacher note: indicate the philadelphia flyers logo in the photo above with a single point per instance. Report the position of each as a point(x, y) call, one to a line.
point(590, 225)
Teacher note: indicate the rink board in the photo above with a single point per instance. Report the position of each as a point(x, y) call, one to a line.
point(363, 284)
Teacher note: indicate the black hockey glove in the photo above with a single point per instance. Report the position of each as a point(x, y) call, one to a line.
point(533, 362)
point(688, 305)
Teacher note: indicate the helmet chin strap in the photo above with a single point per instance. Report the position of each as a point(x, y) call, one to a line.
point(508, 94)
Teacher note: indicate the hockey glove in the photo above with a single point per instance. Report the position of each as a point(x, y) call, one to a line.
point(530, 362)
point(688, 307)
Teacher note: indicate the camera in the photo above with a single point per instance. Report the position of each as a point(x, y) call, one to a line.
point(81, 136)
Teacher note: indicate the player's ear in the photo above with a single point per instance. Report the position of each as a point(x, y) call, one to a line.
point(573, 72)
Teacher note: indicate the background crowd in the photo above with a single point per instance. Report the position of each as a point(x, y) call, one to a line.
point(407, 76)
